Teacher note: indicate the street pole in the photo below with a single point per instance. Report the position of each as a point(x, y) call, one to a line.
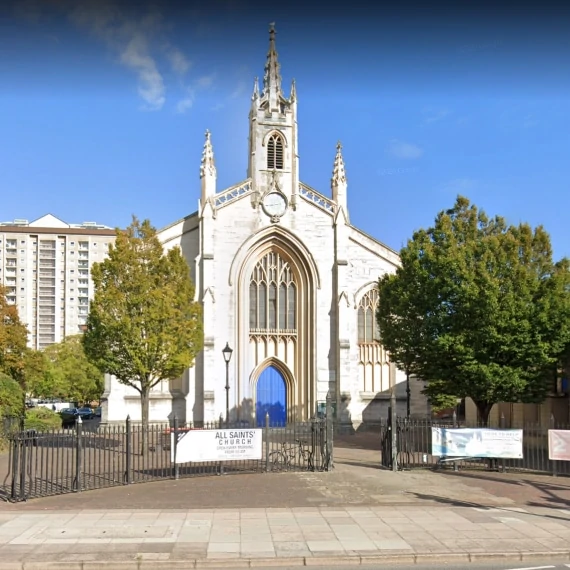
point(394, 420)
point(227, 354)
point(227, 395)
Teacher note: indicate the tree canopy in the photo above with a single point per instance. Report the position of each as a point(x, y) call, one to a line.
point(144, 325)
point(477, 309)
point(67, 374)
point(10, 397)
point(13, 340)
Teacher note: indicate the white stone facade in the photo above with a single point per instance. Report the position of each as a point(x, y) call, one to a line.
point(314, 331)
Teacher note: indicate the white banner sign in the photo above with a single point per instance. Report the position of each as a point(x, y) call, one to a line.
point(199, 446)
point(559, 444)
point(466, 442)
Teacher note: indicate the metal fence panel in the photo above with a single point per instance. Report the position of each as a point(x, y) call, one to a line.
point(415, 451)
point(92, 457)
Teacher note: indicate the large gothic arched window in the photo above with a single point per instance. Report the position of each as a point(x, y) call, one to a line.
point(367, 326)
point(272, 296)
point(275, 152)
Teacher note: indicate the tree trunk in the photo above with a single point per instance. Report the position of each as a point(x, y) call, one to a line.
point(483, 410)
point(145, 401)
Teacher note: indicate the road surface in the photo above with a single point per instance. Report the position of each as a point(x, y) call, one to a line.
point(538, 565)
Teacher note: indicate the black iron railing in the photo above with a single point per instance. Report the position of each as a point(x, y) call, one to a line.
point(414, 448)
point(87, 456)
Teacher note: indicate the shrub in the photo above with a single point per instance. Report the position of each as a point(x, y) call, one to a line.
point(11, 397)
point(42, 419)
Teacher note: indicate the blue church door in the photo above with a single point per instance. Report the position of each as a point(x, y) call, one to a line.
point(271, 398)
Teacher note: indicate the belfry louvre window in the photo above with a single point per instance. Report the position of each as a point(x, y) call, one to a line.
point(367, 326)
point(275, 153)
point(272, 296)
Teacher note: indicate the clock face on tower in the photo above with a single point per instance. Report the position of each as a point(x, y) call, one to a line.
point(274, 205)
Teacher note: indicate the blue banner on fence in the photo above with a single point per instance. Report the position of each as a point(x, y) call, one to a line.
point(467, 442)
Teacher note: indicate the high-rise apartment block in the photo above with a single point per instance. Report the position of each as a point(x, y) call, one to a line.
point(46, 267)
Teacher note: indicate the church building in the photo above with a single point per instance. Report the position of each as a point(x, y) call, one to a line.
point(285, 281)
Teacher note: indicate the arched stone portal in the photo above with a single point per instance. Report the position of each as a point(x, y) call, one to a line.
point(276, 308)
point(271, 397)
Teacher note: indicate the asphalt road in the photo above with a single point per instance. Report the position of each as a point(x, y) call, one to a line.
point(538, 565)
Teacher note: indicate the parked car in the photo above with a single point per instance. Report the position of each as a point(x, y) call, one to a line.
point(69, 415)
point(86, 413)
point(97, 412)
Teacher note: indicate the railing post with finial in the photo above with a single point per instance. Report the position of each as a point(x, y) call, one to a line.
point(455, 463)
point(127, 477)
point(220, 464)
point(267, 442)
point(554, 462)
point(503, 425)
point(175, 448)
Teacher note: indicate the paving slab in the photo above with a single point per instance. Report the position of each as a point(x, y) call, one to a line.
point(363, 533)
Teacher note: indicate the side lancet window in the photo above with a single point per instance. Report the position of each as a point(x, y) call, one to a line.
point(272, 296)
point(275, 152)
point(367, 326)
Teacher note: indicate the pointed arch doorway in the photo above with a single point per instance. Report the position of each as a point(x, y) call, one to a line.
point(271, 397)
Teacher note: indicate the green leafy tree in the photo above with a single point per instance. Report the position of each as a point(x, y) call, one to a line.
point(144, 325)
point(70, 374)
point(477, 309)
point(35, 370)
point(10, 397)
point(13, 340)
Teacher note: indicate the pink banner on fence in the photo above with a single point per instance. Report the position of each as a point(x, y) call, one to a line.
point(559, 444)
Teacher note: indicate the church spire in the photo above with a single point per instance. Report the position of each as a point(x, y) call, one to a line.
point(207, 171)
point(339, 173)
point(255, 94)
point(272, 77)
point(293, 96)
point(338, 182)
point(207, 165)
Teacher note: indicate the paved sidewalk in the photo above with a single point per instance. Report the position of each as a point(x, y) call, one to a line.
point(270, 537)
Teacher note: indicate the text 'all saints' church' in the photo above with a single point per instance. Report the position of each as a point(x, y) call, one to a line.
point(286, 280)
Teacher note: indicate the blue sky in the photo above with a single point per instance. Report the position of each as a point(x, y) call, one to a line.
point(103, 108)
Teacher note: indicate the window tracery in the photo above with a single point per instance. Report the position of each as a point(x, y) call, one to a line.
point(272, 296)
point(275, 152)
point(367, 326)
point(373, 366)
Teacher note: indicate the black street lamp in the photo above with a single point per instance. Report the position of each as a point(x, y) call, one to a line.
point(227, 352)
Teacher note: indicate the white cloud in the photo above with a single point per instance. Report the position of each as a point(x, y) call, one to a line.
point(400, 149)
point(178, 60)
point(459, 186)
point(184, 105)
point(435, 115)
point(130, 40)
point(151, 85)
point(205, 81)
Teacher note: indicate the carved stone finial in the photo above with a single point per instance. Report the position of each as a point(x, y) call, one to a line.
point(339, 173)
point(293, 96)
point(255, 93)
point(207, 165)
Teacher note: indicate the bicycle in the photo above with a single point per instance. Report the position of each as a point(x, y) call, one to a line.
point(285, 457)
